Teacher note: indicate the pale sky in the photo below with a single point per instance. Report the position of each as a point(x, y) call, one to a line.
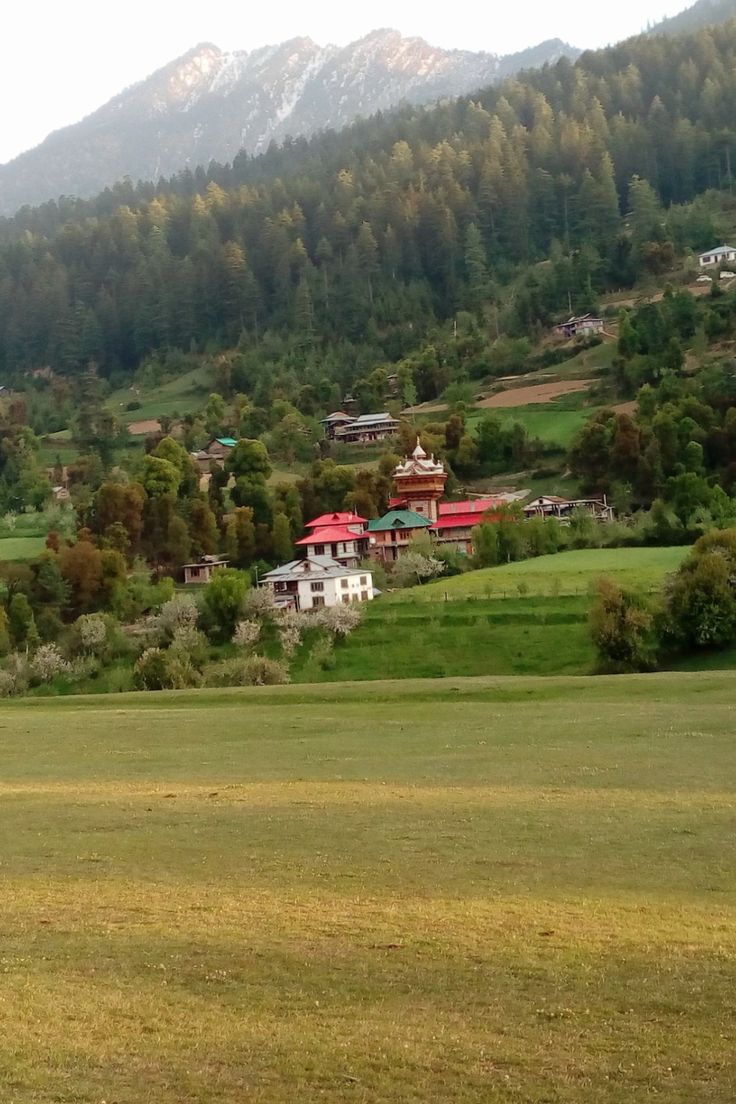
point(63, 60)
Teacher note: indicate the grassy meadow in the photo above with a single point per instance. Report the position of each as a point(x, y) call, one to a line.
point(564, 573)
point(21, 548)
point(526, 618)
point(473, 890)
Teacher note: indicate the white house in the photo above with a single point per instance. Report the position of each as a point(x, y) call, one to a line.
point(720, 255)
point(318, 581)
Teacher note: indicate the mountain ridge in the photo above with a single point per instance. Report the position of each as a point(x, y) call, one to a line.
point(210, 104)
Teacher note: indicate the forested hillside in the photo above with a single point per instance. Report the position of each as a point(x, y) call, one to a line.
point(335, 255)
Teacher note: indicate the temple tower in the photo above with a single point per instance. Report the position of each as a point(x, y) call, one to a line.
point(420, 483)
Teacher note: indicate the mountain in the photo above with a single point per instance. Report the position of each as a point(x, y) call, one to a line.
point(208, 105)
point(704, 13)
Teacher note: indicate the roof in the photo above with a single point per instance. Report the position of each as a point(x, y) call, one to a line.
point(718, 249)
point(339, 518)
point(398, 519)
point(581, 318)
point(229, 442)
point(318, 567)
point(338, 416)
point(472, 506)
point(330, 534)
point(208, 561)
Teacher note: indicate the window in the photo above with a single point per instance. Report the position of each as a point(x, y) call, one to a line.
point(316, 587)
point(346, 599)
point(319, 550)
point(344, 584)
point(364, 595)
point(317, 601)
point(364, 580)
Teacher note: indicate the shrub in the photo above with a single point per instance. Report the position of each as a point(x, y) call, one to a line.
point(223, 600)
point(246, 634)
point(180, 612)
point(91, 632)
point(192, 643)
point(291, 626)
point(151, 671)
point(259, 604)
point(8, 685)
point(253, 671)
point(47, 663)
point(622, 627)
point(338, 620)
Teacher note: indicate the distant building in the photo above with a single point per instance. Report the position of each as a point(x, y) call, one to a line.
point(203, 570)
point(362, 430)
point(720, 255)
point(60, 494)
point(393, 533)
point(582, 326)
point(562, 508)
point(216, 452)
point(317, 582)
point(456, 520)
point(337, 420)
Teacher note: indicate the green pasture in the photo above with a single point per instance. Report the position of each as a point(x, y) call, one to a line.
point(21, 548)
point(479, 891)
point(564, 573)
point(182, 394)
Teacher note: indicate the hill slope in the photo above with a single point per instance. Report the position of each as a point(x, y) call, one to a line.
point(704, 13)
point(208, 105)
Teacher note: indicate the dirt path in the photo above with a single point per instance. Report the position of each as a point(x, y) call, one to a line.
point(541, 393)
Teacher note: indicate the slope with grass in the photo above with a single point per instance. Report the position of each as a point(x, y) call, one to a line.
point(564, 573)
point(20, 548)
point(474, 890)
point(527, 618)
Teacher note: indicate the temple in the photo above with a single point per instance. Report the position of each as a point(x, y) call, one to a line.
point(419, 482)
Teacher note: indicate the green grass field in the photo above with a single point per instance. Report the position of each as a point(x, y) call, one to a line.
point(554, 423)
point(563, 573)
point(527, 618)
point(21, 548)
point(182, 394)
point(477, 891)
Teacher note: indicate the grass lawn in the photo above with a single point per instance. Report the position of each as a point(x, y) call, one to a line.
point(182, 394)
point(564, 573)
point(475, 891)
point(21, 548)
point(554, 423)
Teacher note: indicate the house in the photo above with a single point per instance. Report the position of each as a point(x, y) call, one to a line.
point(720, 255)
point(456, 520)
point(562, 508)
point(317, 582)
point(204, 569)
point(582, 326)
point(344, 541)
point(337, 420)
point(393, 533)
point(216, 452)
point(366, 429)
point(60, 494)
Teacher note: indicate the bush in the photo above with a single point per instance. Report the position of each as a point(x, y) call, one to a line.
point(259, 604)
point(180, 612)
point(253, 671)
point(91, 633)
point(47, 663)
point(151, 671)
point(338, 620)
point(291, 625)
point(8, 685)
point(246, 634)
point(622, 627)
